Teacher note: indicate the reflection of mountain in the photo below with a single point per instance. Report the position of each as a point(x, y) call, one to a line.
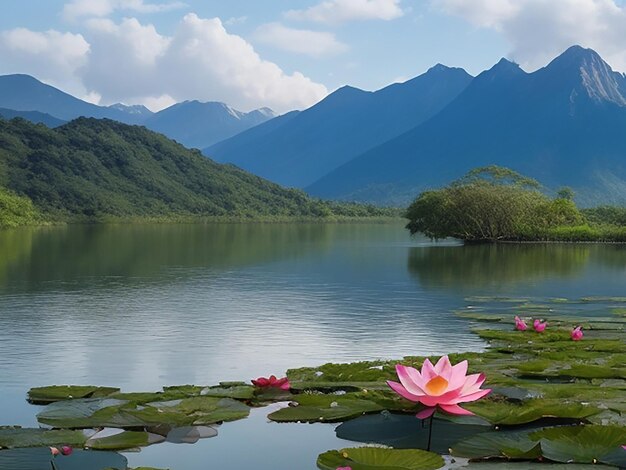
point(82, 254)
point(481, 266)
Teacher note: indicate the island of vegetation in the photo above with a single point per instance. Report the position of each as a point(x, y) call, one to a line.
point(497, 204)
point(98, 170)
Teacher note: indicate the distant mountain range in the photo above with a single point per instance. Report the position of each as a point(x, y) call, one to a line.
point(191, 123)
point(564, 124)
point(299, 149)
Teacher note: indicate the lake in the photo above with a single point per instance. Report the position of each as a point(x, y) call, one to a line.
point(142, 306)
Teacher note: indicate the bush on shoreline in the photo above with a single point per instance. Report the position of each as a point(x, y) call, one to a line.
point(498, 204)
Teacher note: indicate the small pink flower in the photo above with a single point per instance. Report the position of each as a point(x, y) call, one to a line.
point(66, 450)
point(520, 324)
point(577, 333)
point(539, 326)
point(273, 382)
point(54, 451)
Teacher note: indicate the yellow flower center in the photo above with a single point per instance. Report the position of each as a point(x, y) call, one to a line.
point(436, 386)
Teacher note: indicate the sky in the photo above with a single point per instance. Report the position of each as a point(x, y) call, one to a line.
point(285, 54)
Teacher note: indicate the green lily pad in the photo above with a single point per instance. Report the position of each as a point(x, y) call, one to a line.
point(118, 439)
point(51, 394)
point(37, 437)
point(579, 444)
point(327, 408)
point(78, 413)
point(239, 392)
point(39, 459)
point(406, 431)
point(376, 458)
point(497, 445)
point(210, 410)
point(616, 458)
point(190, 434)
point(506, 413)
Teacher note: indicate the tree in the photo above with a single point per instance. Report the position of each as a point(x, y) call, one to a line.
point(489, 203)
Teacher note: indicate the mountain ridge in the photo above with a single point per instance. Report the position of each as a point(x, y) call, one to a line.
point(546, 124)
point(339, 127)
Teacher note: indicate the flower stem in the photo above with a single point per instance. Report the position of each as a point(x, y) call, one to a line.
point(430, 431)
point(54, 467)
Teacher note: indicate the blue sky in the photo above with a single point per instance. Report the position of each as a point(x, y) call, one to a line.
point(285, 54)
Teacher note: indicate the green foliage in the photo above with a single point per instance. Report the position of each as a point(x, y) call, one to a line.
point(606, 215)
point(16, 210)
point(566, 193)
point(494, 203)
point(98, 170)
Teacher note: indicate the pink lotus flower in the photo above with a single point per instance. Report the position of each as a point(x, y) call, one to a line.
point(273, 382)
point(66, 450)
point(520, 324)
point(54, 451)
point(442, 385)
point(538, 326)
point(577, 333)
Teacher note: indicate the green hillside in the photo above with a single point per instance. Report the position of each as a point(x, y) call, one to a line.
point(93, 169)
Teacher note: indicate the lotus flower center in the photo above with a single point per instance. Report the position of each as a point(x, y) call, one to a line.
point(436, 386)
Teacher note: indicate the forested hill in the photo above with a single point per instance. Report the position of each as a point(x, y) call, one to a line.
point(92, 168)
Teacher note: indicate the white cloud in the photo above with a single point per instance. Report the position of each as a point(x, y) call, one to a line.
point(101, 8)
point(339, 11)
point(538, 30)
point(52, 56)
point(131, 62)
point(301, 41)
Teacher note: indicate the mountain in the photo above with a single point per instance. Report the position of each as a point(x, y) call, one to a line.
point(564, 124)
point(97, 169)
point(26, 93)
point(299, 149)
point(198, 125)
point(32, 116)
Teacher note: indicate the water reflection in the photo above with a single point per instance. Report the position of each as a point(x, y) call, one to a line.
point(145, 306)
point(483, 266)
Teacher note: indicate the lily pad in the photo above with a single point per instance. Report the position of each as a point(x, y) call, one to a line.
point(51, 394)
point(497, 445)
point(37, 437)
point(326, 408)
point(579, 444)
point(239, 392)
point(505, 413)
point(77, 413)
point(372, 458)
point(118, 439)
point(190, 434)
point(406, 431)
point(39, 459)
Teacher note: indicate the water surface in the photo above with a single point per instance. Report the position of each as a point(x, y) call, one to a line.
point(143, 306)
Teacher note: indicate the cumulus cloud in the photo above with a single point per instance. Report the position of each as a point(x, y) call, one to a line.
point(301, 41)
point(538, 30)
point(132, 62)
point(340, 11)
point(53, 56)
point(100, 8)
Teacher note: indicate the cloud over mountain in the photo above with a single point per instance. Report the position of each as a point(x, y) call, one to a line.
point(538, 29)
point(132, 62)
